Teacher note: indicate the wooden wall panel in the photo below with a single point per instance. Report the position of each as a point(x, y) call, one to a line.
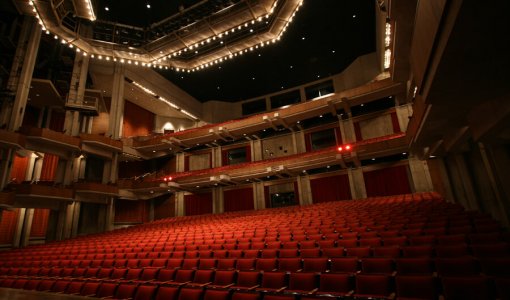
point(127, 211)
point(137, 120)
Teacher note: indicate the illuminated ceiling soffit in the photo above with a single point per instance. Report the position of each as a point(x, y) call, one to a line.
point(243, 27)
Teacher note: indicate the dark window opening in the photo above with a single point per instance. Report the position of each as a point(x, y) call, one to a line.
point(370, 107)
point(254, 107)
point(323, 139)
point(285, 99)
point(236, 156)
point(283, 199)
point(319, 90)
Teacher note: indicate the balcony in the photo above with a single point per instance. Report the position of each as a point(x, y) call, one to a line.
point(96, 188)
point(91, 104)
point(10, 139)
point(100, 144)
point(49, 141)
point(283, 117)
point(7, 199)
point(42, 194)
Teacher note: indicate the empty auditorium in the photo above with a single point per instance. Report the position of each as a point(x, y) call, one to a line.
point(254, 149)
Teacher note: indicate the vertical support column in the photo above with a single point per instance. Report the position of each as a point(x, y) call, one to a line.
point(76, 219)
point(347, 129)
point(421, 175)
point(256, 150)
point(305, 190)
point(27, 227)
point(179, 162)
point(218, 202)
point(357, 183)
point(298, 141)
point(77, 93)
point(179, 204)
point(403, 114)
point(151, 210)
point(461, 182)
point(36, 175)
point(23, 82)
point(258, 196)
point(216, 157)
point(500, 209)
point(302, 94)
point(16, 241)
point(5, 166)
point(342, 129)
point(117, 106)
point(110, 215)
point(61, 219)
point(29, 174)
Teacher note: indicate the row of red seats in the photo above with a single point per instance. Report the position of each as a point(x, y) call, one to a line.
point(465, 265)
point(149, 258)
point(274, 285)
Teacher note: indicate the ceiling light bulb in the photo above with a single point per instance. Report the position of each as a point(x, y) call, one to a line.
point(148, 5)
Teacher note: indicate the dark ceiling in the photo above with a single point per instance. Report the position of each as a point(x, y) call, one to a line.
point(324, 38)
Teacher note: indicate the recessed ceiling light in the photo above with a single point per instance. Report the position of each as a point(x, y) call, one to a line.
point(148, 5)
point(253, 78)
point(318, 76)
point(218, 87)
point(251, 30)
point(260, 55)
point(333, 51)
point(373, 158)
point(353, 16)
point(106, 8)
point(303, 38)
point(291, 67)
point(362, 104)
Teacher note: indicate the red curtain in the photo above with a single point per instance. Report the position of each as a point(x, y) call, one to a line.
point(57, 120)
point(239, 199)
point(248, 153)
point(127, 211)
point(137, 120)
point(394, 123)
point(40, 222)
point(386, 182)
point(19, 168)
point(186, 163)
point(8, 226)
point(49, 167)
point(357, 131)
point(331, 188)
point(198, 204)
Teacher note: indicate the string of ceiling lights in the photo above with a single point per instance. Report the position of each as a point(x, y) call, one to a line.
point(161, 63)
point(171, 104)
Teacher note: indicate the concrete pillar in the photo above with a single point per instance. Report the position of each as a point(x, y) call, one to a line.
point(461, 181)
point(218, 201)
point(29, 174)
point(357, 183)
point(5, 166)
point(403, 113)
point(305, 190)
point(216, 157)
point(110, 215)
point(342, 129)
point(179, 204)
point(36, 176)
point(298, 141)
point(18, 233)
point(27, 227)
point(49, 115)
point(61, 220)
point(302, 94)
point(420, 175)
point(72, 216)
point(348, 134)
point(258, 196)
point(256, 150)
point(117, 105)
point(179, 162)
point(64, 173)
point(27, 51)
